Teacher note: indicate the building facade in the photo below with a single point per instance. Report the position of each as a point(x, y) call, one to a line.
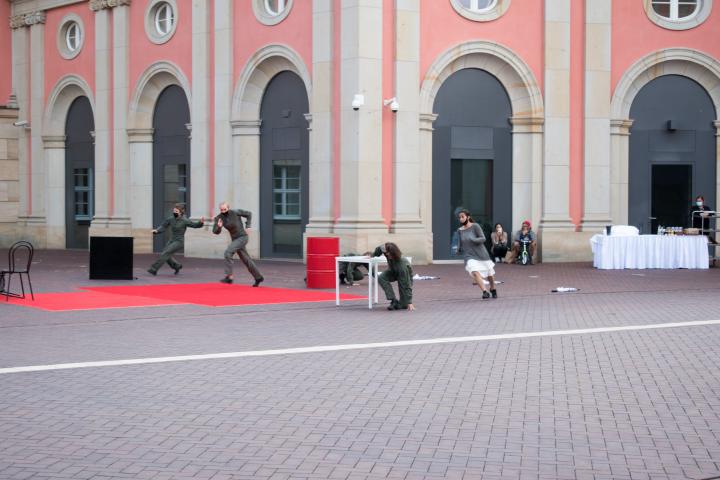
point(370, 120)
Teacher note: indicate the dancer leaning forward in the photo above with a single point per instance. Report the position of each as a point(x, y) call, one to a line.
point(177, 224)
point(232, 221)
point(477, 259)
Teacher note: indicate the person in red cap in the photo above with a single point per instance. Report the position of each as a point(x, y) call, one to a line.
point(525, 233)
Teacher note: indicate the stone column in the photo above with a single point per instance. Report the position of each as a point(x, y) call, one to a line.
point(598, 58)
point(9, 180)
point(717, 162)
point(55, 190)
point(223, 64)
point(21, 83)
point(619, 170)
point(555, 222)
point(361, 224)
point(527, 136)
point(246, 147)
point(200, 174)
point(140, 191)
point(425, 142)
point(406, 222)
point(321, 135)
point(103, 103)
point(120, 95)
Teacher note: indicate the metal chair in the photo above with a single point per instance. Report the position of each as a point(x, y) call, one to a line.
point(19, 253)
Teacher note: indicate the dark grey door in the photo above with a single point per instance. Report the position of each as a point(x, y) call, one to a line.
point(472, 156)
point(79, 173)
point(284, 168)
point(171, 157)
point(672, 152)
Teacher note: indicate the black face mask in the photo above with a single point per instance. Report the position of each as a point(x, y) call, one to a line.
point(465, 222)
point(176, 215)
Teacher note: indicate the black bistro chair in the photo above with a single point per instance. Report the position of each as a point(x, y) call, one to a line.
point(20, 258)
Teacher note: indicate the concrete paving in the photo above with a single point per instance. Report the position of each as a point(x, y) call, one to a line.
point(622, 404)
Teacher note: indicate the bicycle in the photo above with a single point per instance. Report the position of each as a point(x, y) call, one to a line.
point(524, 258)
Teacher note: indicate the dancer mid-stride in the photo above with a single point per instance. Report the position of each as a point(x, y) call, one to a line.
point(232, 221)
point(477, 259)
point(178, 224)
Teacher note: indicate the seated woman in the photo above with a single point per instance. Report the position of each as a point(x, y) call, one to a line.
point(499, 241)
point(400, 271)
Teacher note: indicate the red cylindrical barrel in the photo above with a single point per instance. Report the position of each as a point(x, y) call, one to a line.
point(321, 253)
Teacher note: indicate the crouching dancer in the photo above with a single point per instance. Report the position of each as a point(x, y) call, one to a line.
point(177, 224)
point(400, 271)
point(232, 221)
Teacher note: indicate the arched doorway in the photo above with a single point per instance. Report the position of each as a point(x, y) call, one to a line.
point(472, 155)
point(672, 152)
point(171, 156)
point(284, 169)
point(79, 173)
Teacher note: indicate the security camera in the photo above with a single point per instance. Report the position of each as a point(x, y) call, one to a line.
point(358, 101)
point(21, 123)
point(393, 103)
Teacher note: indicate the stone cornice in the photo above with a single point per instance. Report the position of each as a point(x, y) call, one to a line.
point(620, 126)
point(245, 127)
point(96, 5)
point(27, 19)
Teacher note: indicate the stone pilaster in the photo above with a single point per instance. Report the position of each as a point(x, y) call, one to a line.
point(21, 86)
point(120, 95)
point(361, 224)
point(103, 102)
point(9, 178)
point(717, 161)
point(598, 59)
point(37, 110)
point(527, 136)
point(321, 135)
point(140, 143)
point(246, 145)
point(555, 221)
point(619, 180)
point(223, 65)
point(55, 190)
point(200, 175)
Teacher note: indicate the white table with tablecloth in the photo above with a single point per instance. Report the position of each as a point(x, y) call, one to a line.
point(650, 251)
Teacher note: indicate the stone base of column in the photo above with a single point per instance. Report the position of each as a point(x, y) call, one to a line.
point(318, 226)
point(33, 228)
point(8, 234)
point(595, 223)
point(202, 243)
point(111, 227)
point(56, 236)
point(142, 240)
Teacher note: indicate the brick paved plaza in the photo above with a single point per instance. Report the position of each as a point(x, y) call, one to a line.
point(624, 404)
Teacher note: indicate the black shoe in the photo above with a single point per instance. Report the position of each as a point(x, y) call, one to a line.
point(177, 270)
point(152, 272)
point(493, 292)
point(258, 281)
point(226, 280)
point(486, 294)
point(394, 305)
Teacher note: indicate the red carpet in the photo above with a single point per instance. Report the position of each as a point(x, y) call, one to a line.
point(209, 294)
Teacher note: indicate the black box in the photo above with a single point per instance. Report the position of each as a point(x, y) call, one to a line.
point(111, 258)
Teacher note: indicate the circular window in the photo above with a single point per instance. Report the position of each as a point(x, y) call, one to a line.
point(161, 20)
point(678, 14)
point(480, 10)
point(271, 12)
point(70, 37)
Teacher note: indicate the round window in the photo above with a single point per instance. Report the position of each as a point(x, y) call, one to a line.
point(70, 37)
point(161, 20)
point(271, 12)
point(481, 10)
point(675, 9)
point(275, 7)
point(479, 6)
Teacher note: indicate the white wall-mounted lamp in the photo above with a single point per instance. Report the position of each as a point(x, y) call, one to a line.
point(358, 101)
point(393, 103)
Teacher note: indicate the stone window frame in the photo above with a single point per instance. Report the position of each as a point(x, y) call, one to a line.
point(265, 17)
point(687, 23)
point(487, 15)
point(150, 21)
point(62, 44)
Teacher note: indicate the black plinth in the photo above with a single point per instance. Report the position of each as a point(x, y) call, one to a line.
point(111, 258)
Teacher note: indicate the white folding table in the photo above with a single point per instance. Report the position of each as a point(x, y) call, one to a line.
point(372, 263)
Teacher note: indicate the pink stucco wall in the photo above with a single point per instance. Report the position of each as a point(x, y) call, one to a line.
point(143, 53)
point(295, 31)
point(5, 53)
point(635, 35)
point(519, 29)
point(83, 65)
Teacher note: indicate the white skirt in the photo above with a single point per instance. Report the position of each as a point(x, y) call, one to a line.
point(485, 268)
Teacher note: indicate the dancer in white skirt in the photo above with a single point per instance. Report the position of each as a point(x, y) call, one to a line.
point(477, 258)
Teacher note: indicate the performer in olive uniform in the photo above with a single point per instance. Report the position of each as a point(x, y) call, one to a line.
point(399, 270)
point(177, 224)
point(232, 221)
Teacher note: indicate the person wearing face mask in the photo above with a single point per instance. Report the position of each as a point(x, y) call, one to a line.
point(178, 224)
point(232, 221)
point(477, 259)
point(499, 241)
point(700, 218)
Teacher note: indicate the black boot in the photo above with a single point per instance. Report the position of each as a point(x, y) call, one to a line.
point(394, 305)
